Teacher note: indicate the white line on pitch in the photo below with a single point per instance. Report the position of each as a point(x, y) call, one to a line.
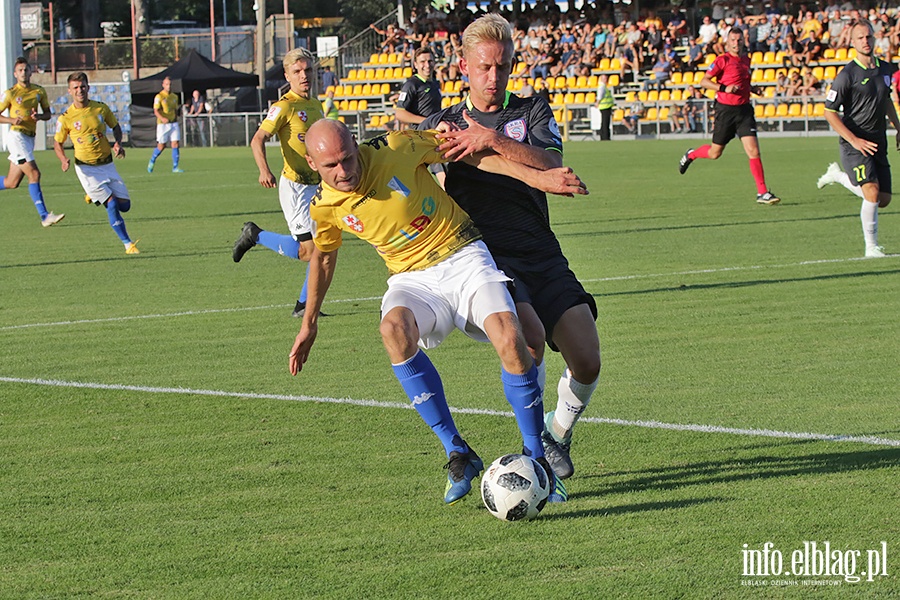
point(186, 313)
point(804, 263)
point(861, 439)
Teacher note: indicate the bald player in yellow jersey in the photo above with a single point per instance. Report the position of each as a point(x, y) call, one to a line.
point(86, 122)
point(23, 101)
point(168, 129)
point(289, 119)
point(442, 275)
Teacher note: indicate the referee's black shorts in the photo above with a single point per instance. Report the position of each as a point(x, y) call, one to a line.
point(733, 121)
point(548, 285)
point(861, 168)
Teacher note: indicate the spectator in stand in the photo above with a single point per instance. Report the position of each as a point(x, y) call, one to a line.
point(662, 71)
point(812, 49)
point(693, 56)
point(693, 109)
point(793, 52)
point(781, 82)
point(794, 85)
point(654, 39)
point(810, 25)
point(811, 83)
point(676, 118)
point(329, 78)
point(835, 29)
point(635, 112)
point(394, 38)
point(707, 34)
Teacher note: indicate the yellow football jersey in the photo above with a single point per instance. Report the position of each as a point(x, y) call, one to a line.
point(289, 119)
point(87, 128)
point(398, 206)
point(167, 104)
point(21, 100)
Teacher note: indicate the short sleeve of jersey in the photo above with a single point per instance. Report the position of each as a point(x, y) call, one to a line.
point(327, 234)
point(717, 67)
point(45, 102)
point(421, 145)
point(157, 101)
point(543, 130)
point(834, 99)
point(5, 101)
point(407, 95)
point(62, 129)
point(275, 118)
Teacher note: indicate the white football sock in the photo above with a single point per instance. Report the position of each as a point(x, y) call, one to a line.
point(843, 179)
point(868, 214)
point(573, 399)
point(542, 375)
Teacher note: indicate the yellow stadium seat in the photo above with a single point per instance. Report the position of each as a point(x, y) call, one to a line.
point(759, 111)
point(590, 98)
point(756, 75)
point(579, 98)
point(560, 83)
point(446, 101)
point(342, 105)
point(604, 64)
point(653, 96)
point(819, 109)
point(615, 64)
point(828, 54)
point(652, 114)
point(373, 60)
point(781, 110)
point(840, 54)
point(457, 86)
point(374, 122)
point(676, 78)
point(795, 110)
point(769, 111)
point(569, 98)
point(379, 74)
point(851, 53)
point(664, 113)
point(642, 96)
point(829, 73)
point(593, 81)
point(353, 105)
point(557, 99)
point(629, 97)
point(581, 82)
point(342, 119)
point(698, 77)
point(769, 58)
point(557, 115)
point(756, 58)
point(613, 80)
point(769, 75)
point(769, 92)
point(618, 114)
point(818, 72)
point(338, 91)
point(665, 95)
point(367, 89)
point(406, 73)
point(363, 105)
point(385, 89)
point(382, 59)
point(676, 95)
point(447, 88)
point(571, 81)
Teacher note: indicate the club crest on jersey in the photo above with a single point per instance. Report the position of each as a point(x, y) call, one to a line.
point(887, 80)
point(303, 116)
point(397, 185)
point(515, 130)
point(353, 223)
point(19, 100)
point(76, 125)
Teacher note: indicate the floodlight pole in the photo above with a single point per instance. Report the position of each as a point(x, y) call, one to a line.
point(212, 29)
point(261, 50)
point(134, 43)
point(52, 46)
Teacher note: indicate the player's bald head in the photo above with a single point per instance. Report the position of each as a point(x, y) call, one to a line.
point(327, 135)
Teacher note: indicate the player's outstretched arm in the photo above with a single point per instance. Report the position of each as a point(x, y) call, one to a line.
point(459, 143)
point(61, 155)
point(321, 272)
point(258, 146)
point(558, 180)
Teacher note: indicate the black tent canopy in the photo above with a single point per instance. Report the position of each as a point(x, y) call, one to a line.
point(193, 72)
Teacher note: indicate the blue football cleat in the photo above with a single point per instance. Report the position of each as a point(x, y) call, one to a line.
point(150, 166)
point(462, 469)
point(558, 491)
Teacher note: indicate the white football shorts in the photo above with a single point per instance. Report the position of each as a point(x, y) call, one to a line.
point(168, 132)
point(20, 146)
point(101, 181)
point(295, 199)
point(459, 292)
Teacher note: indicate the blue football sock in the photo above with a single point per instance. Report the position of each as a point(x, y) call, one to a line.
point(524, 395)
point(34, 190)
point(2, 183)
point(303, 289)
point(116, 221)
point(156, 154)
point(421, 382)
point(282, 244)
point(176, 154)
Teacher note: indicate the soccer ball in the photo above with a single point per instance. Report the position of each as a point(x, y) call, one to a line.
point(515, 487)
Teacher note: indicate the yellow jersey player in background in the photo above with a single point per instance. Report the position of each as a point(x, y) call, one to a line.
point(168, 131)
point(86, 122)
point(23, 101)
point(443, 277)
point(289, 118)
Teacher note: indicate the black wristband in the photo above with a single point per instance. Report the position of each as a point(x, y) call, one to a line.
point(721, 87)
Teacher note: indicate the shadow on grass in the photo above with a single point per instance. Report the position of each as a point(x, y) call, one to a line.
point(747, 468)
point(548, 513)
point(749, 283)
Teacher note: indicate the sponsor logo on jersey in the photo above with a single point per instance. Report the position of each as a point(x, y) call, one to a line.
point(864, 81)
point(417, 225)
point(353, 223)
point(887, 80)
point(273, 113)
point(554, 131)
point(515, 130)
point(397, 185)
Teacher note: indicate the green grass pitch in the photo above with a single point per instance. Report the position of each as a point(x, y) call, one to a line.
point(154, 445)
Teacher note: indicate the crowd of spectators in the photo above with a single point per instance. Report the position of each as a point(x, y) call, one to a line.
point(551, 43)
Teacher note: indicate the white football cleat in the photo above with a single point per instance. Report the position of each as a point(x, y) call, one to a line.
point(875, 252)
point(830, 176)
point(52, 219)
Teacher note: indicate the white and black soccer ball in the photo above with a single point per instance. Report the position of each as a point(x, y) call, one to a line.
point(515, 488)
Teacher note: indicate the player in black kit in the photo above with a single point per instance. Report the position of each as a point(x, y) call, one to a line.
point(515, 224)
point(862, 92)
point(420, 95)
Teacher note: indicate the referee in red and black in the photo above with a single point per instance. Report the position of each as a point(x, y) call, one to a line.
point(734, 113)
